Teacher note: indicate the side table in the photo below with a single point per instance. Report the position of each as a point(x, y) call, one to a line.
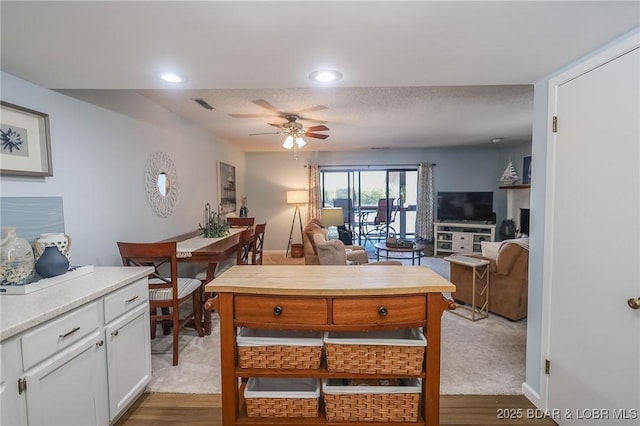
point(480, 274)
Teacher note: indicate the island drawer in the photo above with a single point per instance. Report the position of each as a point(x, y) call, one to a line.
point(58, 334)
point(379, 310)
point(280, 309)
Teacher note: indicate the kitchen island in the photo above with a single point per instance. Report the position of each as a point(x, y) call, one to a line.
point(327, 298)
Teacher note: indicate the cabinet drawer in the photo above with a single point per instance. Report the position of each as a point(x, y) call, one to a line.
point(125, 299)
point(464, 247)
point(379, 310)
point(58, 334)
point(462, 238)
point(281, 309)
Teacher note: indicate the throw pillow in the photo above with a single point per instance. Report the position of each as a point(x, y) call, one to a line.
point(490, 249)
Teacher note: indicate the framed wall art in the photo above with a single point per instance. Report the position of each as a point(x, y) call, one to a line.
point(25, 147)
point(227, 191)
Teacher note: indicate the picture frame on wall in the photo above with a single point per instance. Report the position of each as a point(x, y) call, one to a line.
point(526, 170)
point(25, 146)
point(227, 187)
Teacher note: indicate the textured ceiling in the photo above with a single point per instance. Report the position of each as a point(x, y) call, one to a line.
point(416, 74)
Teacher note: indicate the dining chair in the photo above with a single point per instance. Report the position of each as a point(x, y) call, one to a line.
point(258, 244)
point(166, 293)
point(241, 221)
point(245, 246)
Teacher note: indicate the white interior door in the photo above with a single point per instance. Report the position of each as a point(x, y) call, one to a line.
point(592, 248)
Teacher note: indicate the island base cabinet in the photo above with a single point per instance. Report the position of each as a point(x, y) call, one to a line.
point(69, 387)
point(128, 359)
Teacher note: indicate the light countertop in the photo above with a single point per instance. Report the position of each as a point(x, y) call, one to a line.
point(330, 280)
point(21, 312)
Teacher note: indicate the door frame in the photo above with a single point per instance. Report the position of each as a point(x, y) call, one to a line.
point(619, 48)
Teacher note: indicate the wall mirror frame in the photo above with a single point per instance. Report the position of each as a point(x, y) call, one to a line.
point(161, 183)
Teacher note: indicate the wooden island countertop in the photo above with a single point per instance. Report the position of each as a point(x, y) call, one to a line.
point(329, 280)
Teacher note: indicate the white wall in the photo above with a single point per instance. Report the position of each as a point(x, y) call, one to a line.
point(271, 175)
point(99, 159)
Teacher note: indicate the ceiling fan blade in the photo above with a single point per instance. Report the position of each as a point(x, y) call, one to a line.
point(251, 115)
point(313, 120)
point(279, 126)
point(266, 105)
point(321, 128)
point(314, 108)
point(269, 133)
point(315, 135)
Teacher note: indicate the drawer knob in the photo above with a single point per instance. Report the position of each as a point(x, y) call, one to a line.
point(382, 311)
point(277, 311)
point(100, 343)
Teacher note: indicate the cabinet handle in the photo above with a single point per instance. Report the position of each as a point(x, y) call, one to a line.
point(69, 333)
point(22, 386)
point(277, 311)
point(100, 343)
point(382, 311)
point(132, 299)
point(114, 333)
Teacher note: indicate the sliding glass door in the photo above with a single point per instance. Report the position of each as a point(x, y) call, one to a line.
point(376, 203)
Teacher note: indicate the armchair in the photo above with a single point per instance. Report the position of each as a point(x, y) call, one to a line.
point(355, 253)
point(508, 280)
point(334, 252)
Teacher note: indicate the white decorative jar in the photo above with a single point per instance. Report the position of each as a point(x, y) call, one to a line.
point(60, 240)
point(17, 263)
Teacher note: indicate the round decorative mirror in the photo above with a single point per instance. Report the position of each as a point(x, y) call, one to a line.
point(161, 183)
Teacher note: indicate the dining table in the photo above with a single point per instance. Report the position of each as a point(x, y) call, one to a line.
point(193, 248)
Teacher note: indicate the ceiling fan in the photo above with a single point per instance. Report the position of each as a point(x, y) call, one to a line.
point(281, 114)
point(295, 131)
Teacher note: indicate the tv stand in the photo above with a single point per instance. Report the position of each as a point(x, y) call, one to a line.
point(460, 237)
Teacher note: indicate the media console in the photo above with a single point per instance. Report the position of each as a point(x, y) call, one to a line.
point(453, 237)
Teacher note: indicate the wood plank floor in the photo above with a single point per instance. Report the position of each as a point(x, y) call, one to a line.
point(455, 410)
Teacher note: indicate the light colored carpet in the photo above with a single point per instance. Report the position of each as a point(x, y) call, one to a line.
point(486, 357)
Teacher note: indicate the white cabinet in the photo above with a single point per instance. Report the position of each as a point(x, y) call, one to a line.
point(461, 237)
point(68, 389)
point(83, 367)
point(13, 410)
point(128, 358)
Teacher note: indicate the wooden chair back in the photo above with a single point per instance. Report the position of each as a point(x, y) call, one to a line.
point(258, 244)
point(241, 221)
point(156, 255)
point(245, 246)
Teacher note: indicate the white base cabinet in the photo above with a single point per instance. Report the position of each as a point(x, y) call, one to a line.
point(461, 237)
point(84, 367)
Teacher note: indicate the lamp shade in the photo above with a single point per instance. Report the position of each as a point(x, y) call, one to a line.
point(297, 197)
point(332, 216)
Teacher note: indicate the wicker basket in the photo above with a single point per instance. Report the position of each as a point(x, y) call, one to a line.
point(271, 397)
point(279, 349)
point(372, 403)
point(386, 352)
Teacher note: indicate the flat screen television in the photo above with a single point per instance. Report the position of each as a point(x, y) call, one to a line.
point(465, 207)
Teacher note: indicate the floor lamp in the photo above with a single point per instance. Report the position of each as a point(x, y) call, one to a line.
point(297, 198)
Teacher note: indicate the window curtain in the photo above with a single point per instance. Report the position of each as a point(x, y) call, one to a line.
point(315, 197)
point(424, 207)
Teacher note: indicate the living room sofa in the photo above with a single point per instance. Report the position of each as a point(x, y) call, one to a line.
point(508, 280)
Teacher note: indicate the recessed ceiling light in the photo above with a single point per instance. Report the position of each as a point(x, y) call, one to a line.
point(496, 140)
point(171, 77)
point(325, 76)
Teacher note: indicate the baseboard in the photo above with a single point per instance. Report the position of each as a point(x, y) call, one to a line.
point(532, 395)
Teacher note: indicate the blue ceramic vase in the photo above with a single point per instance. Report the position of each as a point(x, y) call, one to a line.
point(52, 263)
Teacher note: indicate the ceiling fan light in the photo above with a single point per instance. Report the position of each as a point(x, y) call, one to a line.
point(288, 142)
point(300, 142)
point(325, 76)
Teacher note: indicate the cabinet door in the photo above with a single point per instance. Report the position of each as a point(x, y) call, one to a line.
point(68, 389)
point(128, 358)
point(13, 410)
